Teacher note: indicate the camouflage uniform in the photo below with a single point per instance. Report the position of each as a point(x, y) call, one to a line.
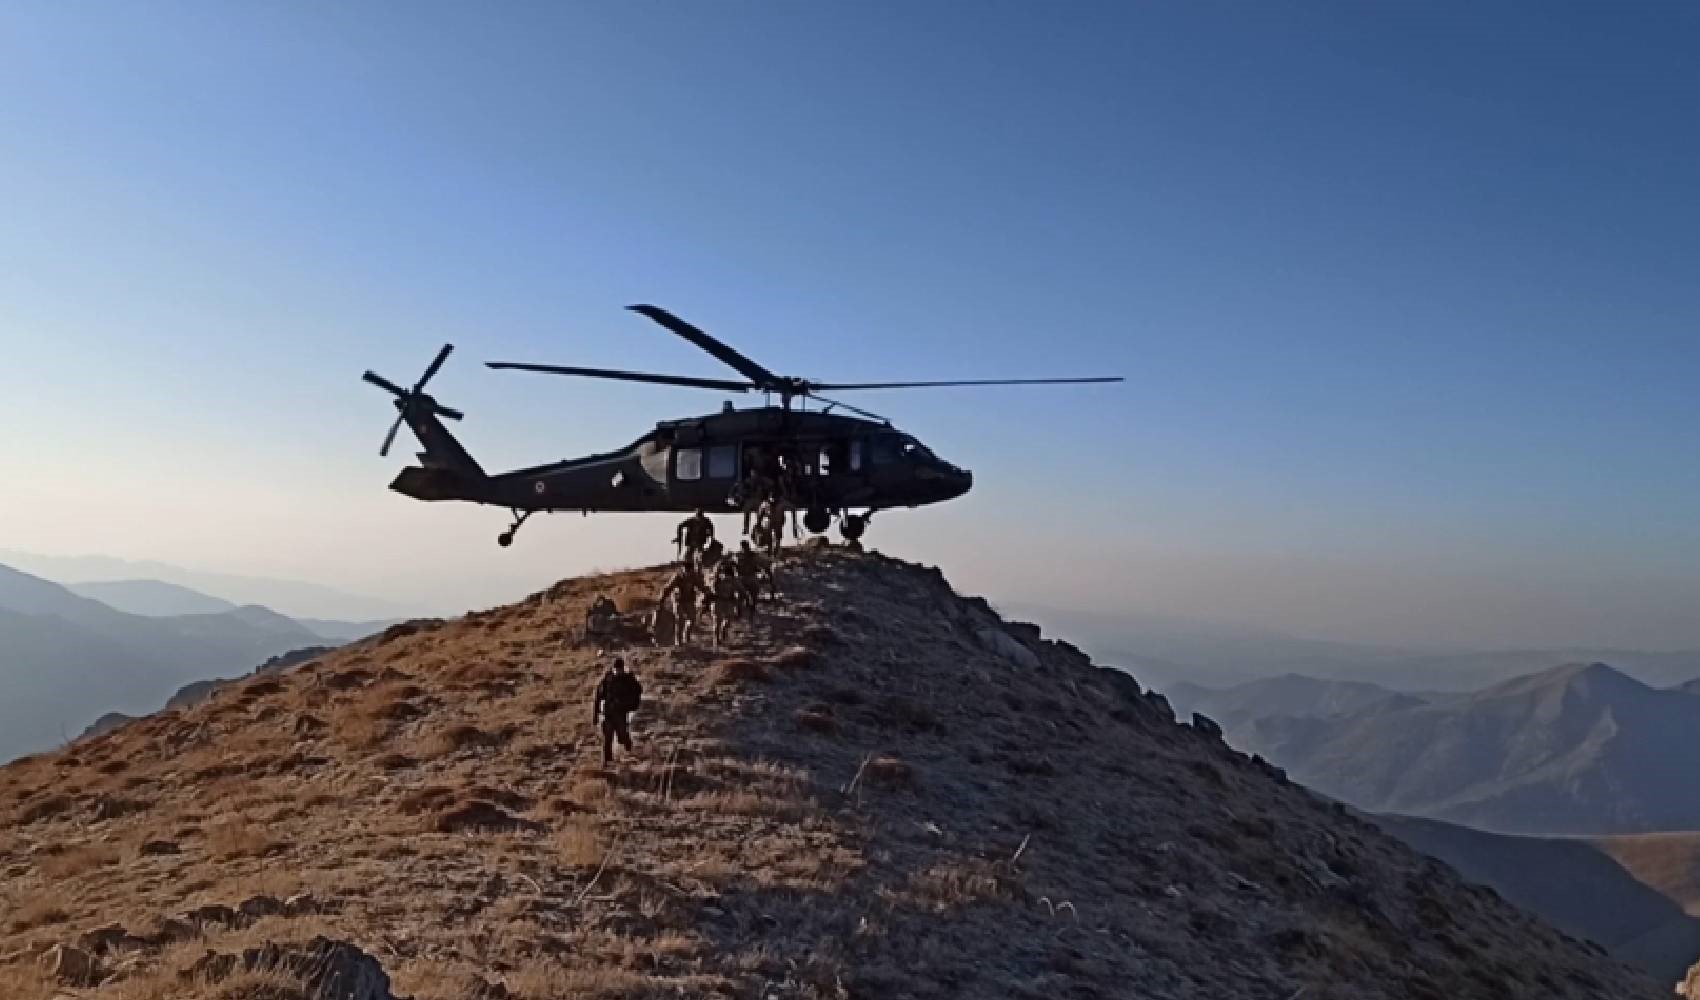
point(693, 535)
point(683, 590)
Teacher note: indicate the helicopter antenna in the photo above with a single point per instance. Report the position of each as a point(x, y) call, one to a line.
point(759, 378)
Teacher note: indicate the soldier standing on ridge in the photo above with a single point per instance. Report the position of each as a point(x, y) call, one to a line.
point(724, 590)
point(617, 696)
point(693, 535)
point(683, 590)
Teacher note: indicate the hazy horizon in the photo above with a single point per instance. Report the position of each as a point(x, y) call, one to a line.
point(1404, 296)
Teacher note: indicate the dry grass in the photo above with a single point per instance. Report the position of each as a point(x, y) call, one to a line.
point(579, 843)
point(36, 911)
point(78, 859)
point(239, 837)
point(739, 671)
point(890, 770)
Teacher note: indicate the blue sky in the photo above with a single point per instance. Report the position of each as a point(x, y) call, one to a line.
point(1405, 292)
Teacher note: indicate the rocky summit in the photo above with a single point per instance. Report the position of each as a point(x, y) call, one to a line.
point(877, 789)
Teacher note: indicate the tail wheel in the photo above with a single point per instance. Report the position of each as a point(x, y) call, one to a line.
point(817, 520)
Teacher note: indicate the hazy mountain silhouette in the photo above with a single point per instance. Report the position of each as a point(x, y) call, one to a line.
point(1581, 886)
point(152, 598)
point(1288, 695)
point(1168, 650)
point(67, 659)
point(291, 597)
point(1581, 748)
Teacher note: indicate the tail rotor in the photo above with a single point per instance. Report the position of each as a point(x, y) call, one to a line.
point(410, 402)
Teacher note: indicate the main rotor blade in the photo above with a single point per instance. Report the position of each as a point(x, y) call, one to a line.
point(436, 363)
point(383, 383)
point(840, 386)
point(853, 409)
point(726, 355)
point(688, 381)
point(389, 438)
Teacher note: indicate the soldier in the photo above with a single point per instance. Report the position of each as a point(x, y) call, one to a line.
point(723, 599)
point(617, 696)
point(753, 572)
point(681, 595)
point(712, 553)
point(693, 535)
point(772, 519)
point(600, 620)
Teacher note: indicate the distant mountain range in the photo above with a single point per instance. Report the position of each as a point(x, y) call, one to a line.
point(295, 598)
point(66, 659)
point(1163, 651)
point(1634, 895)
point(1576, 749)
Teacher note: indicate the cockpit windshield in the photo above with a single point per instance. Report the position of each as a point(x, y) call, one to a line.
point(914, 450)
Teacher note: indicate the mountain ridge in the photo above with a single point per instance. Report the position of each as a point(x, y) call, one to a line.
point(878, 789)
point(1576, 749)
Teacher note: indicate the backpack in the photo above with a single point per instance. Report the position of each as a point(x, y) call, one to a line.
point(625, 693)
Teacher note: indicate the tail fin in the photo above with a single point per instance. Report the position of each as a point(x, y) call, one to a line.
point(442, 451)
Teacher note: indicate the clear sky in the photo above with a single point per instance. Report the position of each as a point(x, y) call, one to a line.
point(1406, 293)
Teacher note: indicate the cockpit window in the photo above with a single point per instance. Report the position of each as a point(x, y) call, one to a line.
point(915, 450)
point(887, 449)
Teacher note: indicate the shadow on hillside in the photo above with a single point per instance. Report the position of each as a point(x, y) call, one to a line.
point(1572, 884)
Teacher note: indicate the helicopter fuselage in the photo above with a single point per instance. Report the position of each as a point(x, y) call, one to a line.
point(836, 463)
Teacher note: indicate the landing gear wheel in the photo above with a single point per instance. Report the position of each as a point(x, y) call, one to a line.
point(817, 520)
point(852, 526)
point(506, 538)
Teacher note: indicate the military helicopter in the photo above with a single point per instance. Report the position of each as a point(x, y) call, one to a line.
point(832, 465)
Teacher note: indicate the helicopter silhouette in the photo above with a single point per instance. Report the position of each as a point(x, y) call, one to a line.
point(833, 465)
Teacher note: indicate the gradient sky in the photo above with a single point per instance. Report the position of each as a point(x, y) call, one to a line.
point(1406, 293)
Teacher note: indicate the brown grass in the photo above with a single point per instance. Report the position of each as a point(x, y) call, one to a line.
point(48, 807)
point(37, 911)
point(890, 770)
point(739, 671)
point(239, 838)
point(77, 860)
point(578, 842)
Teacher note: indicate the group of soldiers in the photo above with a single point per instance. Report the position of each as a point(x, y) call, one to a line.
point(711, 586)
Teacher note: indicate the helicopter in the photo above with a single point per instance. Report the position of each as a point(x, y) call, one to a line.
point(845, 466)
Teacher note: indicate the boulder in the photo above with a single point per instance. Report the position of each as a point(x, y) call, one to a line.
point(259, 906)
point(71, 966)
point(112, 937)
point(1689, 988)
point(327, 969)
point(1206, 725)
point(302, 904)
point(213, 913)
point(1001, 643)
point(160, 848)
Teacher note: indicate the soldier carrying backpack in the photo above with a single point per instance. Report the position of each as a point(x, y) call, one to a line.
point(617, 696)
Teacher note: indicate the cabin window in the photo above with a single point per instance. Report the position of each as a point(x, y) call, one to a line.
point(835, 458)
point(723, 461)
point(883, 449)
point(856, 455)
point(687, 464)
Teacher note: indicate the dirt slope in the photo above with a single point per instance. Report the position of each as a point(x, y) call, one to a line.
point(879, 791)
